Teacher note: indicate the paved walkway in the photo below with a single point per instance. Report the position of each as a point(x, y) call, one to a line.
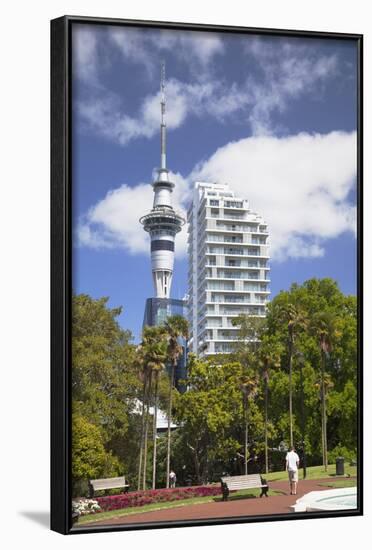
point(245, 507)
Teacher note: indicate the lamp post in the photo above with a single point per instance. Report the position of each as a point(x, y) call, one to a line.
point(300, 356)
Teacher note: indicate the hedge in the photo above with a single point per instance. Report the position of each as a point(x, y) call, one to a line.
point(141, 498)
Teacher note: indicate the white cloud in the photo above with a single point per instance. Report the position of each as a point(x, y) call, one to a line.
point(114, 221)
point(276, 76)
point(195, 48)
point(92, 49)
point(85, 53)
point(104, 114)
point(300, 184)
point(290, 69)
point(144, 46)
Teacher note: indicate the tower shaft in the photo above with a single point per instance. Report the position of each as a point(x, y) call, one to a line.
point(162, 223)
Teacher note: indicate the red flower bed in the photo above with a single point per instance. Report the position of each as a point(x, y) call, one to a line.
point(140, 498)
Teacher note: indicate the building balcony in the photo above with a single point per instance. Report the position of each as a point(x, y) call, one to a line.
point(242, 292)
point(222, 339)
point(242, 265)
point(237, 228)
point(237, 304)
point(235, 277)
point(226, 241)
point(239, 254)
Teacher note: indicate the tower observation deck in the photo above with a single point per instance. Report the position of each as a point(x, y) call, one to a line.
point(162, 222)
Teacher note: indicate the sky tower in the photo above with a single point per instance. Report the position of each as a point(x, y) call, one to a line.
point(163, 223)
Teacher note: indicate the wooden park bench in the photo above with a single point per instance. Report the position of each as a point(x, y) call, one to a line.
point(109, 483)
point(234, 483)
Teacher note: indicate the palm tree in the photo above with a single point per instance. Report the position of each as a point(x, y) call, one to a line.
point(325, 327)
point(158, 356)
point(323, 385)
point(248, 384)
point(141, 360)
point(153, 355)
point(145, 435)
point(144, 375)
point(176, 327)
point(269, 356)
point(295, 319)
point(251, 330)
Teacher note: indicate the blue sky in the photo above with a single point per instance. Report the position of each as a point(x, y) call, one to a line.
point(273, 117)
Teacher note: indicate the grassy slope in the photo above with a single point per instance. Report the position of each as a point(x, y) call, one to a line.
point(314, 472)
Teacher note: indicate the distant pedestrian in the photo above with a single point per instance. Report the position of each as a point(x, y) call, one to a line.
point(292, 462)
point(172, 479)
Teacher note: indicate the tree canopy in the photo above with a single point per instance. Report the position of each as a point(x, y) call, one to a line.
point(236, 407)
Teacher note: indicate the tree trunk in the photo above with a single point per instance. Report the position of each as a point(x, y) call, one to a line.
point(290, 348)
point(146, 432)
point(155, 430)
point(142, 432)
point(171, 381)
point(196, 463)
point(322, 419)
point(325, 437)
point(266, 444)
point(245, 436)
point(303, 419)
point(197, 467)
point(324, 416)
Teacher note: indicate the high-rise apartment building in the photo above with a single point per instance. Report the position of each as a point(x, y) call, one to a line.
point(228, 266)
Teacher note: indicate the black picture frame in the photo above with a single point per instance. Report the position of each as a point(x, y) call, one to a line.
point(61, 266)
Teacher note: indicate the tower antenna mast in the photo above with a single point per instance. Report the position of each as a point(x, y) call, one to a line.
point(163, 152)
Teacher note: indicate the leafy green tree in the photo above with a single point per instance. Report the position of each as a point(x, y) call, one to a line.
point(105, 378)
point(236, 406)
point(314, 297)
point(90, 460)
point(211, 416)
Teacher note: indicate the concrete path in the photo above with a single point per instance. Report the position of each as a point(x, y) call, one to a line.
point(244, 507)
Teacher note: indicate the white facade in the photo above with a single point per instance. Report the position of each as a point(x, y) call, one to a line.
point(228, 266)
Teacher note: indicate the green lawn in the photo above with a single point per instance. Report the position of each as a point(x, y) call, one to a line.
point(248, 493)
point(314, 472)
point(339, 483)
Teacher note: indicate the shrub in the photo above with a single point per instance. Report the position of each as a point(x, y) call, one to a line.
point(340, 451)
point(141, 498)
point(85, 506)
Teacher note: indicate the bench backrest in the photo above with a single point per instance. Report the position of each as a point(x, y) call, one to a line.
point(109, 483)
point(242, 482)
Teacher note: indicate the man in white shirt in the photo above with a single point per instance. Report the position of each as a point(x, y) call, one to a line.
point(292, 461)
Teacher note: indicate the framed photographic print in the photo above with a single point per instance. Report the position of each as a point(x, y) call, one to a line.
point(206, 274)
